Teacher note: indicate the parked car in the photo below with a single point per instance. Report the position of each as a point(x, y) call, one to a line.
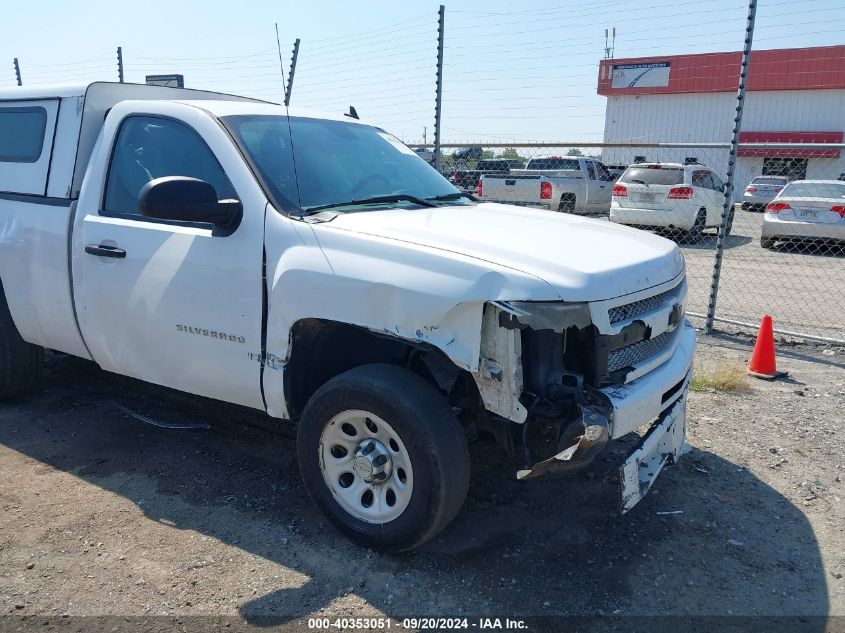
point(558, 183)
point(467, 179)
point(761, 191)
point(468, 154)
point(426, 154)
point(165, 234)
point(680, 198)
point(811, 210)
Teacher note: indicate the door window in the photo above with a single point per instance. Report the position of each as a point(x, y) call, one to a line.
point(702, 179)
point(151, 147)
point(590, 171)
point(603, 173)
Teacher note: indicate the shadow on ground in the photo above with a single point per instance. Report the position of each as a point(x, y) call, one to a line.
point(527, 549)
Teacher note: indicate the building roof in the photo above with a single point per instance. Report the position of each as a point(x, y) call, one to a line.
point(817, 68)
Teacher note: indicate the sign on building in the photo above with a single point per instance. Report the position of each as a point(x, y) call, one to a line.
point(640, 75)
point(169, 81)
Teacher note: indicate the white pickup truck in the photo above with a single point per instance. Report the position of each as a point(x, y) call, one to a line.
point(316, 269)
point(558, 183)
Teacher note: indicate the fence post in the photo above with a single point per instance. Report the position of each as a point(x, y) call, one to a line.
point(438, 101)
point(289, 87)
point(727, 206)
point(18, 71)
point(120, 64)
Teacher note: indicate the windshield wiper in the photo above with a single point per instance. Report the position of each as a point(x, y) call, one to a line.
point(454, 196)
point(399, 197)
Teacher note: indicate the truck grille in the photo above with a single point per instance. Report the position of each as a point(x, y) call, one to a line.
point(636, 308)
point(637, 352)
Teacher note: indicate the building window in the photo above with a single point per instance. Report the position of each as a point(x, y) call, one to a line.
point(639, 159)
point(792, 168)
point(691, 160)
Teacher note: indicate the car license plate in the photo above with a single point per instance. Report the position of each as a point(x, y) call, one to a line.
point(807, 214)
point(647, 197)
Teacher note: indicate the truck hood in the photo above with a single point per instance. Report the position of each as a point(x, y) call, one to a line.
point(583, 259)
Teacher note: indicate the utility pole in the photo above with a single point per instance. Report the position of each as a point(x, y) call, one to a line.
point(438, 102)
point(425, 134)
point(120, 64)
point(18, 72)
point(289, 87)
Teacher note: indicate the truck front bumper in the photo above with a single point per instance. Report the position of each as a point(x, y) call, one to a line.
point(659, 397)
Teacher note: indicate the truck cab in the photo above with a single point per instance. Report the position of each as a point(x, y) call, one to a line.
point(315, 268)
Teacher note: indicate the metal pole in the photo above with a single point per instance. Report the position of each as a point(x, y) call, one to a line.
point(289, 87)
point(120, 64)
point(438, 102)
point(18, 72)
point(727, 210)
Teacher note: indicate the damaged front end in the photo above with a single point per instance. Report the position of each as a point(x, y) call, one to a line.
point(574, 380)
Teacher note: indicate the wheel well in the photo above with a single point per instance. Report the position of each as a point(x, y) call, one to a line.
point(321, 349)
point(567, 200)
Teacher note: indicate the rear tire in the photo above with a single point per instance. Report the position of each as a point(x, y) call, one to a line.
point(696, 233)
point(767, 244)
point(426, 473)
point(21, 363)
point(567, 203)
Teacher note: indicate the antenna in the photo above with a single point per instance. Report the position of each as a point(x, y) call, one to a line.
point(609, 42)
point(279, 48)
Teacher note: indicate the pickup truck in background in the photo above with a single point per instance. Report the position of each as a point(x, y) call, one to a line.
point(467, 179)
point(165, 235)
point(558, 183)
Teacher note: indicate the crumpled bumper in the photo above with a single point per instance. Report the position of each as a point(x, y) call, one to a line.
point(661, 445)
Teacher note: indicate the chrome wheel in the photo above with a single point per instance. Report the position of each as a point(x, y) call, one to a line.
point(366, 466)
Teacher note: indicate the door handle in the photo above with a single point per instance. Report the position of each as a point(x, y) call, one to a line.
point(105, 251)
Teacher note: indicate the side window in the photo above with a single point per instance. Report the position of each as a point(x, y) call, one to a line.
point(590, 171)
point(717, 183)
point(22, 134)
point(603, 173)
point(153, 147)
point(702, 179)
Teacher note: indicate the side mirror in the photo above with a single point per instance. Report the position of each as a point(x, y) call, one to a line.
point(183, 199)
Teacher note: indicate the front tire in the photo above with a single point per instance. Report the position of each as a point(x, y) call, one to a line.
point(21, 363)
point(383, 457)
point(767, 244)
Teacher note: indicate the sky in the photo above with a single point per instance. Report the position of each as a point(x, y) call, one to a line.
point(513, 71)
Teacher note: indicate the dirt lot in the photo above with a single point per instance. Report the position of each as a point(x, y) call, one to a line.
point(103, 514)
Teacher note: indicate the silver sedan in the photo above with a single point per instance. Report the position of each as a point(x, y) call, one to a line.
point(761, 191)
point(806, 210)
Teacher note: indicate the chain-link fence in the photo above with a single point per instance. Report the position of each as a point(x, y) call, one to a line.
point(783, 252)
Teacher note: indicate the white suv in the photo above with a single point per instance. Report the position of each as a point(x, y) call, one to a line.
point(686, 198)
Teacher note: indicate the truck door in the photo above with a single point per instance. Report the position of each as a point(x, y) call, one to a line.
point(167, 302)
point(598, 191)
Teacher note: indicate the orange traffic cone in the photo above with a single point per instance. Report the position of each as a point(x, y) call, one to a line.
point(763, 364)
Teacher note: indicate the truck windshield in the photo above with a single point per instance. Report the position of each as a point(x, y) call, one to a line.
point(311, 164)
point(653, 175)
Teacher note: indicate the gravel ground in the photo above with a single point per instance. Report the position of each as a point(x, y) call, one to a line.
point(102, 514)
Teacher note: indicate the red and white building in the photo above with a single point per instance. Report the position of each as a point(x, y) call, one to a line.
point(793, 96)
